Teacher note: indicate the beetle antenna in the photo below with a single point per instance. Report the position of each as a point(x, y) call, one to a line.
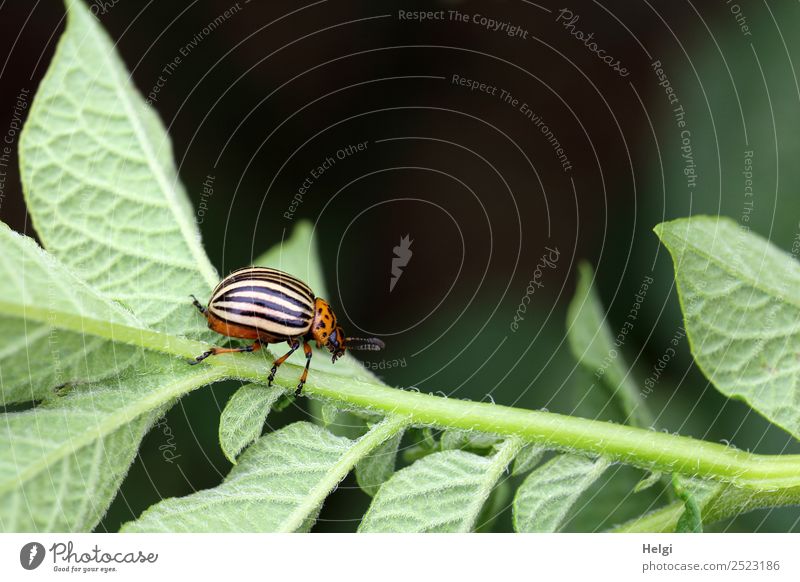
point(369, 344)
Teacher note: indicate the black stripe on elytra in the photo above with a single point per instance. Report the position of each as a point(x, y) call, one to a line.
point(226, 296)
point(305, 292)
point(275, 277)
point(296, 323)
point(308, 313)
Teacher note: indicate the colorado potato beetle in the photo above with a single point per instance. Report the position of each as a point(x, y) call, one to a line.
point(270, 306)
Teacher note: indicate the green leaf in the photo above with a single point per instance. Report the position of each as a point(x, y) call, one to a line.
point(443, 492)
point(278, 485)
point(243, 417)
point(37, 293)
point(102, 188)
point(548, 493)
point(329, 413)
point(468, 440)
point(593, 345)
point(647, 481)
point(274, 487)
point(691, 520)
point(610, 501)
point(61, 463)
point(527, 459)
point(739, 296)
point(375, 469)
point(104, 196)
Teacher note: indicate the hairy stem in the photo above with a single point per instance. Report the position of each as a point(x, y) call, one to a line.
point(730, 504)
point(644, 448)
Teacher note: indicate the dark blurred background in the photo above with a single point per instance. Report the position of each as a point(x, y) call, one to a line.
point(264, 92)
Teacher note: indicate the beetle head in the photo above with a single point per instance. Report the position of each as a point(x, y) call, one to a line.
point(327, 332)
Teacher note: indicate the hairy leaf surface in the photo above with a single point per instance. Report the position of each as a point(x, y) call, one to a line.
point(375, 469)
point(527, 459)
point(61, 463)
point(468, 440)
point(278, 485)
point(741, 303)
point(243, 417)
point(102, 188)
point(37, 355)
point(592, 343)
point(443, 492)
point(548, 493)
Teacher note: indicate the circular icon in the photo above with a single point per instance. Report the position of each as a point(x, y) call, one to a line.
point(31, 555)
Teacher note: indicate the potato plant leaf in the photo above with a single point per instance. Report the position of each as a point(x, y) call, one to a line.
point(278, 485)
point(527, 459)
point(97, 173)
point(38, 353)
point(376, 468)
point(740, 300)
point(592, 343)
point(101, 186)
point(442, 492)
point(647, 481)
point(61, 463)
point(468, 440)
point(545, 497)
point(243, 417)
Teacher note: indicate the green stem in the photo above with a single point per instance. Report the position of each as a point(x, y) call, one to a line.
point(730, 502)
point(656, 451)
point(652, 450)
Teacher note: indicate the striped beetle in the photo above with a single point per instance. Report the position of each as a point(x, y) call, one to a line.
point(270, 306)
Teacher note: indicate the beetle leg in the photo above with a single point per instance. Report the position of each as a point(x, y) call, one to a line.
point(254, 347)
point(307, 350)
point(197, 304)
point(295, 344)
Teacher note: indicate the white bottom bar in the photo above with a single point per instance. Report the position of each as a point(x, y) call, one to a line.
point(350, 557)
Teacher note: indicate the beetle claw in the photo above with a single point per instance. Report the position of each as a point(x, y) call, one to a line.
point(201, 357)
